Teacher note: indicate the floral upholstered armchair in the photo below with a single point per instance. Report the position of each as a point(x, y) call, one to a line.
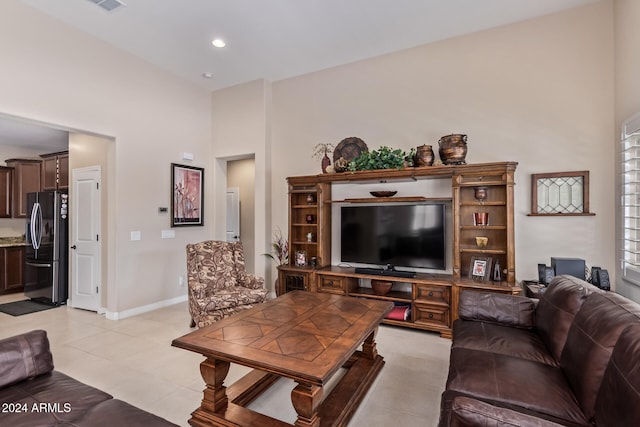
point(219, 284)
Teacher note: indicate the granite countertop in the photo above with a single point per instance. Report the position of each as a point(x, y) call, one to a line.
point(6, 242)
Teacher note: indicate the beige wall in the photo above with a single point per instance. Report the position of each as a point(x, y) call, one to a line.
point(241, 129)
point(627, 90)
point(53, 73)
point(539, 92)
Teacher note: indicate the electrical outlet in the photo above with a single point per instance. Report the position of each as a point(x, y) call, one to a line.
point(181, 281)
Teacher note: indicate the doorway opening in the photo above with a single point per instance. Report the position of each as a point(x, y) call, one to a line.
point(241, 218)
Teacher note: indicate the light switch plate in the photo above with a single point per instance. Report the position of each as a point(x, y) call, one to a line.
point(135, 235)
point(168, 234)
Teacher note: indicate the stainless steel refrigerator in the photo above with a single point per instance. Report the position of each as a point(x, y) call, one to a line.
point(47, 254)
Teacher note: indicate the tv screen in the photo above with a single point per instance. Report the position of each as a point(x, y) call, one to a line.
point(399, 235)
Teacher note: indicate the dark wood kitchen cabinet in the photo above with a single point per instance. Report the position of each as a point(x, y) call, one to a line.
point(12, 272)
point(55, 171)
point(5, 191)
point(26, 179)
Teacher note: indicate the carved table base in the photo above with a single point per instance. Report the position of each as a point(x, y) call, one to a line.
point(306, 337)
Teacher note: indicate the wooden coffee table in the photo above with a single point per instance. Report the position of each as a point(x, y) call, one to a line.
point(304, 336)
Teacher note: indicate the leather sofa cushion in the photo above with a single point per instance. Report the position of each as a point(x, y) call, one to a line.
point(114, 412)
point(557, 309)
point(534, 386)
point(525, 344)
point(52, 388)
point(590, 343)
point(497, 308)
point(24, 356)
point(618, 401)
point(469, 412)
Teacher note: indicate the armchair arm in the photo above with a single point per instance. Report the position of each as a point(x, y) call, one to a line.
point(252, 281)
point(470, 412)
point(509, 310)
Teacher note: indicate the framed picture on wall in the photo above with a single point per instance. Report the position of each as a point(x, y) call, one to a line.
point(187, 198)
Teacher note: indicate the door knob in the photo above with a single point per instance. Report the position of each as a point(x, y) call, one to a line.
point(73, 247)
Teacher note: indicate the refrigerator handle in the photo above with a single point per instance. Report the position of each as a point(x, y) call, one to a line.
point(36, 226)
point(33, 264)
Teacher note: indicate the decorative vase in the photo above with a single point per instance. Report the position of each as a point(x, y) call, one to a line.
point(480, 193)
point(326, 161)
point(453, 149)
point(482, 242)
point(481, 218)
point(424, 156)
point(340, 165)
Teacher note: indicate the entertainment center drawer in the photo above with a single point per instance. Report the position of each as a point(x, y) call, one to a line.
point(331, 284)
point(483, 179)
point(431, 315)
point(432, 294)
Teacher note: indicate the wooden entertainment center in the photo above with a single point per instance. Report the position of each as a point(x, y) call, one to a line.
point(432, 298)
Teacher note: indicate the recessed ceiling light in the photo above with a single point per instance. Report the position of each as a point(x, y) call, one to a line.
point(218, 43)
point(207, 75)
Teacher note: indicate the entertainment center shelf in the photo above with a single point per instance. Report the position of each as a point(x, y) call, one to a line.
point(409, 199)
point(478, 191)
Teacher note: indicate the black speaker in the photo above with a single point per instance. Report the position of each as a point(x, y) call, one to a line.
point(604, 280)
point(595, 276)
point(548, 275)
point(541, 273)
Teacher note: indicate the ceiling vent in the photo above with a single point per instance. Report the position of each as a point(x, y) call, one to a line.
point(108, 5)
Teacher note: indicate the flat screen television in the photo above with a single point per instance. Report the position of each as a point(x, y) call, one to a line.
point(396, 235)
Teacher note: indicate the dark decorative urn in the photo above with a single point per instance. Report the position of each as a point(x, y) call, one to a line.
point(424, 156)
point(453, 149)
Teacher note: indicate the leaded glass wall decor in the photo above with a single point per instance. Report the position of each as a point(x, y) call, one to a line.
point(560, 193)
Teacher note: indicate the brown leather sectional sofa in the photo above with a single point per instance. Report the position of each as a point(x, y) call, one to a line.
point(33, 394)
point(572, 359)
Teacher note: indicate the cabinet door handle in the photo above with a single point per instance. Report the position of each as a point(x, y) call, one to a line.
point(431, 293)
point(430, 315)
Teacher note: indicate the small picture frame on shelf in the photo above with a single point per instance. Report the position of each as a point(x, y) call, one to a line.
point(480, 268)
point(301, 258)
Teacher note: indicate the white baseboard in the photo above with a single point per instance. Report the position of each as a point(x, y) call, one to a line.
point(117, 315)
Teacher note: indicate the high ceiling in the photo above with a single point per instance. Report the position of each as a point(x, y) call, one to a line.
point(276, 39)
point(269, 39)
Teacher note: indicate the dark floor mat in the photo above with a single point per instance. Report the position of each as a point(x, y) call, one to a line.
point(19, 308)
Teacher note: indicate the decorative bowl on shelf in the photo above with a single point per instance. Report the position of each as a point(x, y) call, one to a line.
point(381, 287)
point(481, 242)
point(383, 193)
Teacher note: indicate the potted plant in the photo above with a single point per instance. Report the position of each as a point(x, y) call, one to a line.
point(279, 248)
point(384, 158)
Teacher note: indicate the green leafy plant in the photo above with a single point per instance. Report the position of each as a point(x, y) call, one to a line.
point(384, 158)
point(279, 248)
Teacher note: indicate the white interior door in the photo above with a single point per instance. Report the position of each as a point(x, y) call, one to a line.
point(86, 265)
point(233, 214)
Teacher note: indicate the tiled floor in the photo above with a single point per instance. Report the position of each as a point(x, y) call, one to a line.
point(132, 359)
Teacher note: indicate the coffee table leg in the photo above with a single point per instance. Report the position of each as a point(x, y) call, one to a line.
point(369, 346)
point(215, 395)
point(306, 399)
